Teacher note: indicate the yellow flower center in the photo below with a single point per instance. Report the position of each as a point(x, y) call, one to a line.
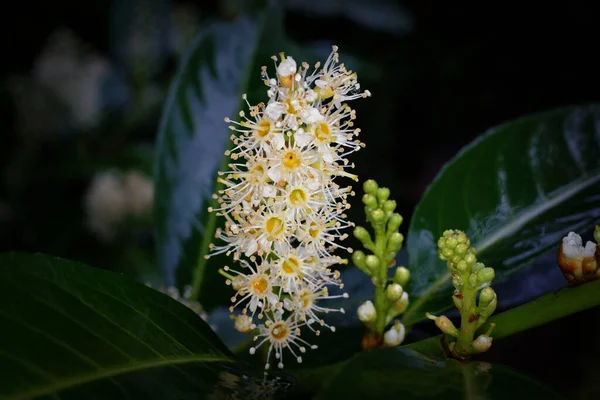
point(323, 132)
point(279, 330)
point(290, 265)
point(274, 226)
point(313, 231)
point(263, 129)
point(259, 284)
point(291, 160)
point(298, 197)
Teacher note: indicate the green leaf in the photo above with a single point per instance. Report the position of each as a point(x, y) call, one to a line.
point(85, 333)
point(399, 373)
point(222, 64)
point(516, 191)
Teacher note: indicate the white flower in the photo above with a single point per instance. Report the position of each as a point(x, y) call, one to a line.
point(243, 323)
point(395, 335)
point(573, 248)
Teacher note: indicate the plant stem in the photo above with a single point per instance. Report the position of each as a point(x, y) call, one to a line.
point(467, 324)
point(381, 306)
point(544, 309)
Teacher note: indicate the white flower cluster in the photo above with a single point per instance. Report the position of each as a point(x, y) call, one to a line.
point(282, 209)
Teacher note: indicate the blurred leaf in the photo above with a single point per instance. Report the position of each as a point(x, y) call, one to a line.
point(384, 15)
point(223, 63)
point(399, 373)
point(516, 191)
point(81, 333)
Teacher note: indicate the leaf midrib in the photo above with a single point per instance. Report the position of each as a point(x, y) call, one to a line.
point(109, 373)
point(509, 229)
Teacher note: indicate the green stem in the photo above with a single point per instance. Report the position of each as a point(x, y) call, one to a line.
point(542, 310)
point(467, 324)
point(381, 302)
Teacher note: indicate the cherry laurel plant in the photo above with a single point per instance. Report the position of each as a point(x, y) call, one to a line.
point(284, 214)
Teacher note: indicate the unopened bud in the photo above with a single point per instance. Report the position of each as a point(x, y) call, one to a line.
point(243, 323)
point(401, 305)
point(457, 299)
point(362, 234)
point(395, 336)
point(486, 296)
point(402, 276)
point(389, 206)
point(482, 343)
point(444, 324)
point(358, 258)
point(369, 201)
point(395, 241)
point(486, 311)
point(485, 275)
point(372, 262)
point(383, 194)
point(377, 215)
point(395, 222)
point(370, 187)
point(366, 312)
point(394, 292)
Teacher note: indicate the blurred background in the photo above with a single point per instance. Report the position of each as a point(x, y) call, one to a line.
point(82, 86)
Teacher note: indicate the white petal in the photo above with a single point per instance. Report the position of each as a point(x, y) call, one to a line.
point(311, 115)
point(287, 67)
point(275, 110)
point(302, 138)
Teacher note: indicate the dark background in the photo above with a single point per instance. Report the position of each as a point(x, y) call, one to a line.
point(445, 75)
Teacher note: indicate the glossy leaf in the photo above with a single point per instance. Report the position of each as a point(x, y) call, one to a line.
point(399, 373)
point(222, 64)
point(516, 191)
point(76, 332)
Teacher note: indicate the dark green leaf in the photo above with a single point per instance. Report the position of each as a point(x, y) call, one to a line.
point(84, 333)
point(516, 191)
point(223, 63)
point(398, 373)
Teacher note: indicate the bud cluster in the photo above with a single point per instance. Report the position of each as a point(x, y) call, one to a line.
point(473, 296)
point(578, 263)
point(391, 299)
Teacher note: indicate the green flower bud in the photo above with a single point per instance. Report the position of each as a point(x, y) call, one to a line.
point(486, 296)
point(457, 299)
point(488, 310)
point(389, 206)
point(395, 241)
point(444, 324)
point(395, 222)
point(597, 234)
point(462, 266)
point(402, 276)
point(393, 292)
point(369, 200)
point(358, 258)
point(485, 275)
point(477, 267)
point(383, 194)
point(472, 281)
point(399, 306)
point(372, 262)
point(362, 234)
point(377, 215)
point(370, 187)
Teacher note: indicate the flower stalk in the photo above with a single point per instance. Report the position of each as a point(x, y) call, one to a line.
point(390, 300)
point(473, 296)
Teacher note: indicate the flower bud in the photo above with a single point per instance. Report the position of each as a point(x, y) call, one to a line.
point(402, 276)
point(366, 312)
point(457, 299)
point(370, 187)
point(377, 215)
point(395, 241)
point(485, 275)
point(395, 336)
point(372, 262)
point(369, 200)
point(393, 292)
point(383, 194)
point(395, 222)
point(362, 234)
point(486, 296)
point(243, 323)
point(486, 311)
point(389, 206)
point(482, 343)
point(358, 258)
point(444, 324)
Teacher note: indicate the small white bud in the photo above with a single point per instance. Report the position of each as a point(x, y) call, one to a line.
point(287, 67)
point(482, 343)
point(394, 336)
point(366, 312)
point(573, 247)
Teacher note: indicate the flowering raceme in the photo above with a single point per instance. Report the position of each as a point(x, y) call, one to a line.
point(283, 211)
